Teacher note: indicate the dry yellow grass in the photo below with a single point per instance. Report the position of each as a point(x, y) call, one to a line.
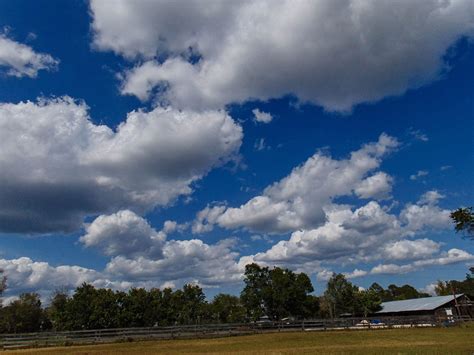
point(459, 340)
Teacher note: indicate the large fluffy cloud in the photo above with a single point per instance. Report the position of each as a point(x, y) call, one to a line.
point(56, 166)
point(183, 261)
point(21, 60)
point(24, 274)
point(141, 253)
point(347, 234)
point(298, 200)
point(123, 233)
point(418, 216)
point(410, 249)
point(334, 53)
point(366, 234)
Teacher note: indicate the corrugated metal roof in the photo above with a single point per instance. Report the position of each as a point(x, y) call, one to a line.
point(416, 304)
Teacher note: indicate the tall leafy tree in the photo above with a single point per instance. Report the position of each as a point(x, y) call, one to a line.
point(227, 309)
point(463, 218)
point(325, 307)
point(340, 296)
point(311, 307)
point(445, 288)
point(405, 292)
point(276, 293)
point(290, 293)
point(106, 309)
point(396, 293)
point(255, 290)
point(383, 294)
point(136, 306)
point(193, 304)
point(168, 310)
point(58, 311)
point(25, 315)
point(155, 312)
point(367, 302)
point(82, 306)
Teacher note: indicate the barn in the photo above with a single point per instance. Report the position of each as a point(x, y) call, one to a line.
point(441, 306)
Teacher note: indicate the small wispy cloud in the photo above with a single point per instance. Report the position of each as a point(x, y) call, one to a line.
point(260, 145)
point(262, 117)
point(418, 134)
point(419, 174)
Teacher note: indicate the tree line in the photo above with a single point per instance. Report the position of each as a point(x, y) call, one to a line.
point(269, 293)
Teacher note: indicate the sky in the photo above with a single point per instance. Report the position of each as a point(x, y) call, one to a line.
point(158, 143)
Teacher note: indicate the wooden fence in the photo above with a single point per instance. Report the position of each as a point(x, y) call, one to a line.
point(44, 339)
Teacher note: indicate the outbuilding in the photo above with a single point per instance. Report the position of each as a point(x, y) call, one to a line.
point(442, 306)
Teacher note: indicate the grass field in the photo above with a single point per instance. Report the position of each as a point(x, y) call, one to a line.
point(459, 340)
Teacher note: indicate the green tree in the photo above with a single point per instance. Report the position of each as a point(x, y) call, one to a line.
point(136, 306)
point(58, 310)
point(299, 302)
point(445, 288)
point(326, 309)
point(81, 307)
point(396, 293)
point(25, 315)
point(105, 309)
point(194, 301)
point(253, 294)
point(340, 296)
point(368, 302)
point(442, 288)
point(383, 294)
point(463, 218)
point(277, 293)
point(155, 312)
point(405, 292)
point(185, 306)
point(168, 311)
point(227, 309)
point(311, 307)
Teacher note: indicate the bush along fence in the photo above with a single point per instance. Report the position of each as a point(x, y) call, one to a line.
point(66, 338)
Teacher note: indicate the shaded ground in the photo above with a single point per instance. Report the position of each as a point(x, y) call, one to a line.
point(459, 340)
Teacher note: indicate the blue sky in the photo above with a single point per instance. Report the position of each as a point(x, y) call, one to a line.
point(141, 159)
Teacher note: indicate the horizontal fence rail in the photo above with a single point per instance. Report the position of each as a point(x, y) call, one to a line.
point(45, 339)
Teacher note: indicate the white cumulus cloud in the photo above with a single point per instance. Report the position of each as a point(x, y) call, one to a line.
point(123, 233)
point(24, 274)
point(21, 60)
point(451, 256)
point(57, 166)
point(139, 252)
point(298, 200)
point(332, 53)
point(410, 249)
point(368, 233)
